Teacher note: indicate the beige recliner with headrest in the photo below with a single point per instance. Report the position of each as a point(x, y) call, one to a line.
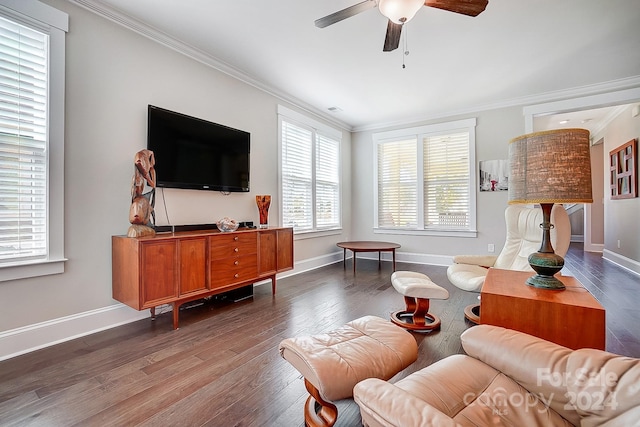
point(524, 236)
point(512, 379)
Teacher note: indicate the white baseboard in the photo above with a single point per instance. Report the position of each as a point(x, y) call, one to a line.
point(411, 258)
point(594, 247)
point(313, 263)
point(627, 263)
point(40, 335)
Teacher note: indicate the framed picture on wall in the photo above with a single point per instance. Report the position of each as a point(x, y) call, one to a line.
point(623, 171)
point(494, 175)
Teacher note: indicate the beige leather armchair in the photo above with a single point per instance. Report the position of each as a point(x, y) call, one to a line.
point(508, 378)
point(524, 236)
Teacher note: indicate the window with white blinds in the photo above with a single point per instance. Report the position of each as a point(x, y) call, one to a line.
point(309, 174)
point(23, 142)
point(424, 178)
point(397, 184)
point(31, 123)
point(297, 177)
point(446, 181)
point(327, 187)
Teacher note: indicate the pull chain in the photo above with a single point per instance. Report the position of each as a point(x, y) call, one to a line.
point(405, 48)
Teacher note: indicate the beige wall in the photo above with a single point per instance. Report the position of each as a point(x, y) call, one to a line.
point(621, 216)
point(597, 207)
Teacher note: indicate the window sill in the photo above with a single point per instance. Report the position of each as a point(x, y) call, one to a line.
point(414, 232)
point(32, 269)
point(301, 235)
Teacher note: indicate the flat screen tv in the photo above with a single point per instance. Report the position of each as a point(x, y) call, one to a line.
point(197, 154)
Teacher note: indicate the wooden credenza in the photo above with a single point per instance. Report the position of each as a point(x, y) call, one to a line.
point(571, 317)
point(175, 268)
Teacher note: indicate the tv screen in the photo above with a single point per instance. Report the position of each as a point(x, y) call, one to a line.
point(197, 154)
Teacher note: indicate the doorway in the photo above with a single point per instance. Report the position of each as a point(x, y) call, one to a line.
point(593, 113)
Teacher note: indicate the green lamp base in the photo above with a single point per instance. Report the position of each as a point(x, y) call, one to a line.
point(546, 265)
point(545, 282)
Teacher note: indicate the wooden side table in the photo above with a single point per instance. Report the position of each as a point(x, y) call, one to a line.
point(367, 246)
point(571, 317)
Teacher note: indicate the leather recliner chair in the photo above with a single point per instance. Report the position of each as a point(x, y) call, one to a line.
point(508, 378)
point(524, 237)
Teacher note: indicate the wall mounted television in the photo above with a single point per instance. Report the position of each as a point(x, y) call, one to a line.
point(197, 154)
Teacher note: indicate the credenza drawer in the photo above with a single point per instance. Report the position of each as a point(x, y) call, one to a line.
point(226, 245)
point(227, 271)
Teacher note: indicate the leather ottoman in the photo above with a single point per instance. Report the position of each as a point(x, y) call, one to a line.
point(334, 362)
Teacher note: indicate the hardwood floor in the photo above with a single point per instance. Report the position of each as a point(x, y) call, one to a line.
point(222, 367)
point(617, 290)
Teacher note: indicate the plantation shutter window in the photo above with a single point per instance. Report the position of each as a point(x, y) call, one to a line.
point(397, 184)
point(297, 179)
point(23, 142)
point(327, 182)
point(32, 88)
point(446, 181)
point(425, 181)
point(310, 184)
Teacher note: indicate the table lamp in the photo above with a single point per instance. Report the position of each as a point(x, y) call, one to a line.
point(549, 167)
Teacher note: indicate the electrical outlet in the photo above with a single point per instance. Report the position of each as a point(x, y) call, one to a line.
point(492, 248)
point(618, 244)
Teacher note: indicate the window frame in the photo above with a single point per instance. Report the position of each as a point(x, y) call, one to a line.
point(55, 23)
point(465, 125)
point(317, 128)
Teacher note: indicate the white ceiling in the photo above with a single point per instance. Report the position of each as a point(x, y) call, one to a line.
point(514, 50)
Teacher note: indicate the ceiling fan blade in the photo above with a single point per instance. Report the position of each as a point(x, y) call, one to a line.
point(465, 7)
point(345, 13)
point(392, 39)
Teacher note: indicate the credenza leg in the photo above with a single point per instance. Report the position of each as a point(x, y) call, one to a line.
point(273, 285)
point(153, 313)
point(176, 312)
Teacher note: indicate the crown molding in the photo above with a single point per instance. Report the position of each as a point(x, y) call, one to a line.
point(158, 36)
point(609, 118)
point(565, 94)
point(605, 98)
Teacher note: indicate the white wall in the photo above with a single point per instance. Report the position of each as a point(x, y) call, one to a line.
point(112, 74)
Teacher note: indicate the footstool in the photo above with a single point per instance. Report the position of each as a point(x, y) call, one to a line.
point(417, 290)
point(334, 362)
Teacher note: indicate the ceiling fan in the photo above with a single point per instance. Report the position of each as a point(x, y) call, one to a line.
point(399, 12)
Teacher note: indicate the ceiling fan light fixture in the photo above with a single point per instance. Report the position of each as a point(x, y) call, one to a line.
point(399, 11)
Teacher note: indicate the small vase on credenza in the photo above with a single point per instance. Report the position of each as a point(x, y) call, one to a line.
point(263, 203)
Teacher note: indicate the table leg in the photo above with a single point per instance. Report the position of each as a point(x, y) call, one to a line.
point(379, 259)
point(394, 259)
point(354, 262)
point(344, 258)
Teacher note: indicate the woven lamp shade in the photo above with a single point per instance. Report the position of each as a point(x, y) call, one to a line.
point(550, 167)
